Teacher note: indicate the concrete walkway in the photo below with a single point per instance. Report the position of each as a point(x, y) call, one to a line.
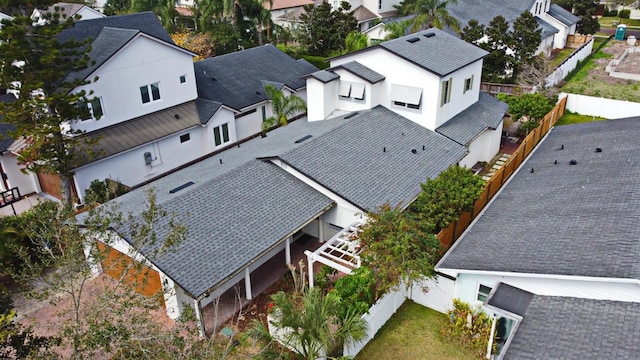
point(23, 205)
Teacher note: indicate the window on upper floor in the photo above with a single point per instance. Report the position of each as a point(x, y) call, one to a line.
point(483, 292)
point(406, 96)
point(379, 4)
point(468, 84)
point(185, 137)
point(91, 109)
point(183, 79)
point(221, 134)
point(150, 92)
point(446, 91)
point(351, 90)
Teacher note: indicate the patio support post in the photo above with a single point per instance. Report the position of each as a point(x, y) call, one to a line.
point(199, 319)
point(310, 263)
point(287, 251)
point(247, 283)
point(490, 344)
point(320, 230)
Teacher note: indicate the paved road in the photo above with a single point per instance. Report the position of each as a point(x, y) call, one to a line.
point(628, 33)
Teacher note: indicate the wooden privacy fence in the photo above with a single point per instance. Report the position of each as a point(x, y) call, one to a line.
point(450, 234)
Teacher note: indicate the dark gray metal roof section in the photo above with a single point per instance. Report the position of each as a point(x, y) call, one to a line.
point(146, 22)
point(577, 329)
point(361, 71)
point(236, 79)
point(562, 15)
point(233, 219)
point(323, 76)
point(370, 160)
point(440, 54)
point(206, 109)
point(547, 29)
point(576, 220)
point(486, 113)
point(510, 298)
point(135, 132)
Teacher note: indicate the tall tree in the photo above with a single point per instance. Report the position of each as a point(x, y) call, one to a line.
point(39, 68)
point(396, 29)
point(430, 13)
point(355, 41)
point(586, 10)
point(497, 62)
point(116, 7)
point(284, 107)
point(324, 29)
point(525, 39)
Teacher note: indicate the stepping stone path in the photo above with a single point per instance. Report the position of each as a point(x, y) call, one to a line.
point(496, 166)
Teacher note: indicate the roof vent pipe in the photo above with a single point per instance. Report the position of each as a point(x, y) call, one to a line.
point(429, 35)
point(598, 149)
point(573, 162)
point(414, 151)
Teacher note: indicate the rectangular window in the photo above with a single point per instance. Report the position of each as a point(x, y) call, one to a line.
point(446, 91)
point(184, 138)
point(379, 4)
point(91, 109)
point(357, 91)
point(345, 89)
point(483, 293)
point(406, 96)
point(150, 92)
point(468, 84)
point(221, 134)
point(183, 79)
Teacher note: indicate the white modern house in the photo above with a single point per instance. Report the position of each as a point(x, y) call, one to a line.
point(430, 77)
point(286, 12)
point(562, 229)
point(368, 12)
point(84, 12)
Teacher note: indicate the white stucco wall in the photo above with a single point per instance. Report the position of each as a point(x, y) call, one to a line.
point(323, 98)
point(251, 124)
point(25, 182)
point(484, 147)
point(594, 288)
point(142, 62)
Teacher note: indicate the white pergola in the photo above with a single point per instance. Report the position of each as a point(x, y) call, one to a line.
point(341, 252)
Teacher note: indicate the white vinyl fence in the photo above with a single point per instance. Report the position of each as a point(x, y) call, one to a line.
point(596, 106)
point(569, 63)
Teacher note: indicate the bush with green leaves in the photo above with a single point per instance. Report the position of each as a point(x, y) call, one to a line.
point(624, 14)
point(473, 334)
point(357, 291)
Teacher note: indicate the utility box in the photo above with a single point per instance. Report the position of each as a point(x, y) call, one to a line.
point(631, 40)
point(620, 31)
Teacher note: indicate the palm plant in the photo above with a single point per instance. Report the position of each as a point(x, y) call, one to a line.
point(315, 326)
point(432, 13)
point(284, 107)
point(396, 29)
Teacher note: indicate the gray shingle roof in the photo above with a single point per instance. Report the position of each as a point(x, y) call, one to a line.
point(568, 220)
point(369, 160)
point(562, 15)
point(486, 113)
point(135, 132)
point(485, 10)
point(233, 219)
point(441, 54)
point(239, 75)
point(361, 71)
point(5, 139)
point(324, 76)
point(510, 298)
point(146, 22)
point(571, 328)
point(547, 29)
point(206, 109)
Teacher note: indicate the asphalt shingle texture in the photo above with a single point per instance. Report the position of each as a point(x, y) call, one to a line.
point(561, 219)
point(362, 71)
point(511, 299)
point(324, 76)
point(369, 160)
point(236, 79)
point(441, 54)
point(486, 113)
point(581, 329)
point(562, 15)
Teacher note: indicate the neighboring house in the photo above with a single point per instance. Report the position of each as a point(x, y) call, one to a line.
point(429, 77)
point(286, 13)
point(237, 81)
point(11, 172)
point(250, 204)
point(4, 16)
point(369, 12)
point(561, 230)
point(67, 10)
point(555, 22)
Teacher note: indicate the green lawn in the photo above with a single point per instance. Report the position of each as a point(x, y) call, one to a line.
point(607, 21)
point(572, 118)
point(413, 333)
point(563, 54)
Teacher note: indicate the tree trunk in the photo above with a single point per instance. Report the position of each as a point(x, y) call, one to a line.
point(65, 188)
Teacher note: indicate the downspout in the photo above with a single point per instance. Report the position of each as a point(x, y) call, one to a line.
point(491, 335)
point(199, 319)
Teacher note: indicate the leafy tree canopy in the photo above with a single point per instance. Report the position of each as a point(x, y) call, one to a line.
point(324, 29)
point(534, 106)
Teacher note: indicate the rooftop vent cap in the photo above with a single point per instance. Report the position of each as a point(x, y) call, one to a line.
point(303, 139)
point(428, 35)
point(176, 116)
point(598, 149)
point(414, 151)
point(412, 40)
point(573, 162)
point(185, 185)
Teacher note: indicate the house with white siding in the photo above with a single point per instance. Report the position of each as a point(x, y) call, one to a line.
point(430, 77)
point(563, 229)
point(67, 10)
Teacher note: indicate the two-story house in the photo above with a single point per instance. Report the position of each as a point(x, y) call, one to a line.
point(430, 77)
point(67, 10)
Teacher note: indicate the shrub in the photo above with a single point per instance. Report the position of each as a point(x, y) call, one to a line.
point(323, 277)
point(624, 14)
point(356, 291)
point(473, 334)
point(612, 13)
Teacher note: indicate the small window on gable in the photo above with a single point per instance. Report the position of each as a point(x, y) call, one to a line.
point(183, 79)
point(185, 137)
point(406, 96)
point(150, 92)
point(468, 84)
point(345, 89)
point(483, 293)
point(221, 134)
